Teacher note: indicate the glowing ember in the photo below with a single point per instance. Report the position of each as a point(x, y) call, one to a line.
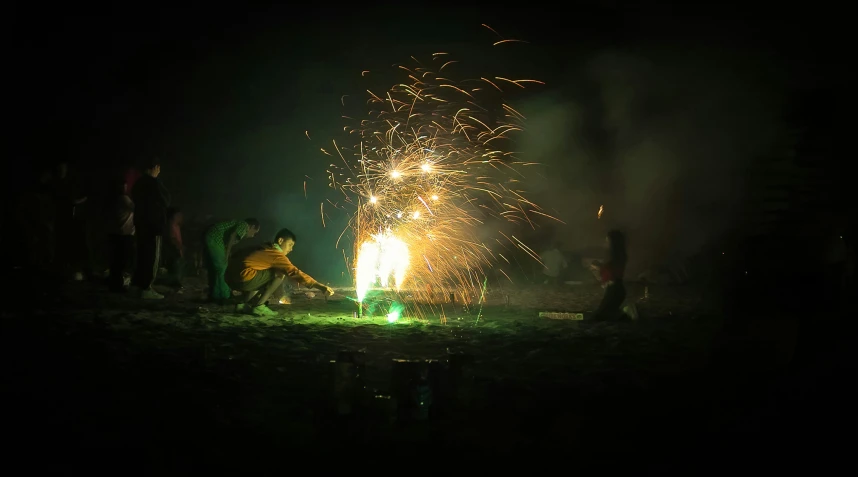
point(601, 209)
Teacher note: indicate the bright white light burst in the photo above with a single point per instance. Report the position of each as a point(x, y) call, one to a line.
point(380, 259)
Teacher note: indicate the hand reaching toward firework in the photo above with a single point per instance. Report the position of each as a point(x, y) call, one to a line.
point(325, 288)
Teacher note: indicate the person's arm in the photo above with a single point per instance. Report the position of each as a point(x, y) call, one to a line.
point(145, 210)
point(163, 196)
point(281, 262)
point(596, 269)
point(238, 233)
point(233, 238)
point(178, 245)
point(176, 238)
point(606, 274)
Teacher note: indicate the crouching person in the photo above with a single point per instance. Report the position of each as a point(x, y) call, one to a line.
point(260, 272)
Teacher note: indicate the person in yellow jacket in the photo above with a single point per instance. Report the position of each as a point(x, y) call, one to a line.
point(258, 273)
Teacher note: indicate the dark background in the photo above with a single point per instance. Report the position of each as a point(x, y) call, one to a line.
point(655, 110)
point(683, 121)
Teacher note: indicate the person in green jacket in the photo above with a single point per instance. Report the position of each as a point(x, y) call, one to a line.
point(218, 242)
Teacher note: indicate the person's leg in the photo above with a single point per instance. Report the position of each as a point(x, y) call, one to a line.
point(149, 293)
point(132, 254)
point(197, 262)
point(208, 263)
point(177, 270)
point(266, 282)
point(259, 304)
point(148, 260)
point(145, 256)
point(221, 290)
point(620, 297)
point(126, 257)
point(167, 258)
point(248, 291)
point(216, 258)
point(271, 287)
point(612, 301)
point(114, 280)
point(156, 263)
point(247, 296)
point(170, 261)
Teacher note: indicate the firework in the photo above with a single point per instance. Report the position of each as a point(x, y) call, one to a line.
point(430, 169)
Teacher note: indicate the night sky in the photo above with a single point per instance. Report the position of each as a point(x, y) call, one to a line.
point(224, 93)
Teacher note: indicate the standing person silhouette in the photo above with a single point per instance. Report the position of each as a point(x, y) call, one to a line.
point(611, 275)
point(151, 201)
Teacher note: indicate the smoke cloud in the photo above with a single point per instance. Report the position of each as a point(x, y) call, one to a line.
point(664, 141)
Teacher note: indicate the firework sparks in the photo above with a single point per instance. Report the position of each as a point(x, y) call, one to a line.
point(378, 259)
point(601, 209)
point(430, 167)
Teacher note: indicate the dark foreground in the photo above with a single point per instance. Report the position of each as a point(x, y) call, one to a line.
point(170, 386)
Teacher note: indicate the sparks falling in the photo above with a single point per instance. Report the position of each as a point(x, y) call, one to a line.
point(432, 164)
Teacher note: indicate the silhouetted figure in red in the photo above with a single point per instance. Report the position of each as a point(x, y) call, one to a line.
point(174, 249)
point(131, 176)
point(611, 275)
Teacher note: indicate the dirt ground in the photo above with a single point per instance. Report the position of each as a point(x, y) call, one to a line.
point(113, 372)
point(507, 341)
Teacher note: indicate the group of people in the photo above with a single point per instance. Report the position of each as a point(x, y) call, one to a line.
point(144, 234)
point(257, 273)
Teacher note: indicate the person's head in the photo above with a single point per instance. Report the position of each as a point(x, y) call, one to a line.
point(252, 227)
point(152, 167)
point(617, 247)
point(285, 239)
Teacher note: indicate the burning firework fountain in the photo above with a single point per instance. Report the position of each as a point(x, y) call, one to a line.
point(430, 166)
